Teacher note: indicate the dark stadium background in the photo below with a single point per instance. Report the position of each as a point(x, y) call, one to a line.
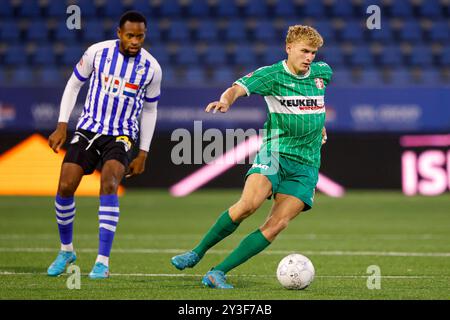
point(387, 83)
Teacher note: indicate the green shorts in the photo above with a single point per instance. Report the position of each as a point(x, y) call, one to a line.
point(288, 177)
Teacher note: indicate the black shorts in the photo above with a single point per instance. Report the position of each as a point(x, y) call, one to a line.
point(90, 150)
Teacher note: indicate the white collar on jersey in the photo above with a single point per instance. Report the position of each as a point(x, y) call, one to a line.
point(306, 75)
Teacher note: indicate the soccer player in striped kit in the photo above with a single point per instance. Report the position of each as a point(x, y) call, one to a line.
point(287, 165)
point(121, 103)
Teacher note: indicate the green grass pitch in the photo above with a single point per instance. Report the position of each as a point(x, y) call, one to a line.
point(407, 237)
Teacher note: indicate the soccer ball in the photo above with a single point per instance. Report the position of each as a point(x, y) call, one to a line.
point(295, 271)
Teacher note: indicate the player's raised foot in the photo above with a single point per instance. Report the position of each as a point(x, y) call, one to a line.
point(99, 271)
point(61, 262)
point(186, 260)
point(216, 279)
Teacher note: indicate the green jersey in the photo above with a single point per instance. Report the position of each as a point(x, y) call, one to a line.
point(295, 109)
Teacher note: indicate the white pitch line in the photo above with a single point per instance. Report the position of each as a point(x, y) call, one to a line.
point(269, 252)
point(177, 237)
point(178, 275)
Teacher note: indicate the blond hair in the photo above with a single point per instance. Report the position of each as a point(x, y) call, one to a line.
point(304, 33)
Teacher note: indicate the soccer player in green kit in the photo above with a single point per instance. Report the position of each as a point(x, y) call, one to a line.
point(287, 165)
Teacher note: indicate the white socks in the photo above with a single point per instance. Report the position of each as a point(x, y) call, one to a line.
point(67, 247)
point(102, 259)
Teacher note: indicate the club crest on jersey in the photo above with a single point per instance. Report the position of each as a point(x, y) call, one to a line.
point(140, 69)
point(126, 142)
point(319, 83)
point(116, 85)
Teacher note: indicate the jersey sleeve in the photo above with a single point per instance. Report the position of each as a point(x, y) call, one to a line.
point(258, 81)
point(85, 66)
point(325, 72)
point(153, 91)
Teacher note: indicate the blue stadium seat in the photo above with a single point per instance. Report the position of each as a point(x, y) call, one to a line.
point(207, 31)
point(342, 77)
point(244, 55)
point(411, 31)
point(400, 77)
point(71, 55)
point(421, 56)
point(198, 8)
point(113, 9)
point(227, 9)
point(445, 56)
point(29, 9)
point(265, 31)
point(353, 31)
point(44, 55)
point(170, 8)
point(93, 30)
point(64, 34)
point(371, 77)
point(236, 31)
point(144, 7)
point(313, 9)
point(332, 55)
point(88, 8)
point(194, 75)
point(178, 31)
point(160, 53)
point(430, 77)
point(325, 29)
point(187, 55)
point(16, 55)
point(256, 8)
point(273, 54)
point(223, 75)
point(285, 9)
point(23, 75)
point(37, 31)
point(6, 9)
point(57, 9)
point(153, 34)
point(216, 55)
point(9, 31)
point(391, 56)
point(3, 77)
point(385, 34)
point(342, 8)
point(50, 75)
point(169, 77)
point(440, 31)
point(430, 8)
point(361, 56)
point(401, 9)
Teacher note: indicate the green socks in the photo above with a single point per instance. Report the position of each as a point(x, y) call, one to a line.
point(223, 227)
point(250, 246)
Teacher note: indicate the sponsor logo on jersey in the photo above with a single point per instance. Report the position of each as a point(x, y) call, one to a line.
point(319, 83)
point(115, 85)
point(140, 69)
point(249, 75)
point(126, 142)
point(299, 103)
point(261, 166)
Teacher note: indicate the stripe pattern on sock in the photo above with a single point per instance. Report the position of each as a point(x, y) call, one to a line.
point(108, 217)
point(65, 215)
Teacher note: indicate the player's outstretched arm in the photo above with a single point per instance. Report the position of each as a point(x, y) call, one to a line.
point(137, 166)
point(69, 98)
point(147, 128)
point(324, 135)
point(227, 98)
point(58, 137)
